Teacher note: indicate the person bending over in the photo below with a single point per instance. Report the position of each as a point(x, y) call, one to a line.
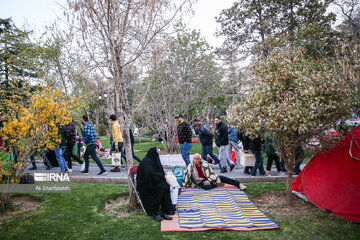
point(200, 174)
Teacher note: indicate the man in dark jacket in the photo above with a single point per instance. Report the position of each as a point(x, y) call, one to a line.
point(184, 138)
point(256, 149)
point(246, 141)
point(70, 142)
point(205, 136)
point(222, 142)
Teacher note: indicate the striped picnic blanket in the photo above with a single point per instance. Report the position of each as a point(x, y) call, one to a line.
point(224, 208)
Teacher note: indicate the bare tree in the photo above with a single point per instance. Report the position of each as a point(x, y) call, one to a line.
point(188, 81)
point(116, 34)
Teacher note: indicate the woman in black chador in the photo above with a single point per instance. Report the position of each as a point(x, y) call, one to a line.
point(152, 186)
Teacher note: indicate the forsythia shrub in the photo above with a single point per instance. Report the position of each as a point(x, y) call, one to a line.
point(30, 126)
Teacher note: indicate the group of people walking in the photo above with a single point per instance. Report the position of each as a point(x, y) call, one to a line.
point(226, 140)
point(64, 152)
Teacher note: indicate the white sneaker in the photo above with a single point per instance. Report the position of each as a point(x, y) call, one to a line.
point(242, 187)
point(69, 170)
point(82, 167)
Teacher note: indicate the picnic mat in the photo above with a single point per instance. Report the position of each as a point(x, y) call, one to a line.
point(223, 208)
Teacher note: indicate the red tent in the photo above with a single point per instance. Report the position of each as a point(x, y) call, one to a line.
point(331, 180)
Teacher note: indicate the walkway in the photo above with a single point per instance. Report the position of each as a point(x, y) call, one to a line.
point(168, 161)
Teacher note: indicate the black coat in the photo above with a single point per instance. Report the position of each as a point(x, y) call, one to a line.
point(256, 144)
point(221, 135)
point(246, 141)
point(151, 184)
point(205, 135)
point(62, 134)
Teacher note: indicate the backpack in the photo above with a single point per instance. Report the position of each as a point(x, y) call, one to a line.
point(179, 174)
point(70, 133)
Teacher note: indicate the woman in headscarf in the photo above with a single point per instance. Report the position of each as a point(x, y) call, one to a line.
point(152, 186)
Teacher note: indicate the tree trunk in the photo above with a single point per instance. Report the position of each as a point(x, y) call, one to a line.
point(5, 201)
point(117, 101)
point(129, 164)
point(126, 119)
point(289, 196)
point(289, 162)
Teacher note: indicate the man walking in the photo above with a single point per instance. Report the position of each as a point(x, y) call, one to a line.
point(184, 138)
point(233, 144)
point(118, 143)
point(205, 136)
point(272, 154)
point(132, 140)
point(222, 142)
point(59, 152)
point(90, 141)
point(256, 149)
point(70, 142)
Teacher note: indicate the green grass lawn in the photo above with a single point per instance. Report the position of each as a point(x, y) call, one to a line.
point(79, 215)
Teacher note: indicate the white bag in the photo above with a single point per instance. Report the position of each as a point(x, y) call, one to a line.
point(116, 159)
point(174, 187)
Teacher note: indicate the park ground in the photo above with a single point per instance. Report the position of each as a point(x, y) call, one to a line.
point(81, 215)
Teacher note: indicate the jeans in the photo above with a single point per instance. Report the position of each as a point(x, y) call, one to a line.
point(259, 161)
point(185, 152)
point(208, 150)
point(59, 152)
point(69, 154)
point(236, 149)
point(32, 158)
point(223, 180)
point(224, 156)
point(271, 158)
point(91, 151)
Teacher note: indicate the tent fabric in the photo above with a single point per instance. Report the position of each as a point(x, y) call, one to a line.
point(331, 180)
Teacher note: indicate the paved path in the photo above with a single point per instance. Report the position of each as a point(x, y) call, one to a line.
point(168, 161)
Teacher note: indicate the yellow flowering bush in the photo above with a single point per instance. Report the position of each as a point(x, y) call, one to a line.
point(29, 126)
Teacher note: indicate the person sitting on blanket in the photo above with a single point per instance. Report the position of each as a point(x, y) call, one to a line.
point(153, 189)
point(200, 174)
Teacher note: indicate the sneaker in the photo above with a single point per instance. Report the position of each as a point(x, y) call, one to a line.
point(33, 168)
point(48, 168)
point(82, 167)
point(70, 170)
point(67, 171)
point(242, 187)
point(232, 167)
point(116, 169)
point(85, 172)
point(102, 173)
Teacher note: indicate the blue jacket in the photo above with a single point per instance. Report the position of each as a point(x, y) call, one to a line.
point(205, 135)
point(89, 133)
point(233, 135)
